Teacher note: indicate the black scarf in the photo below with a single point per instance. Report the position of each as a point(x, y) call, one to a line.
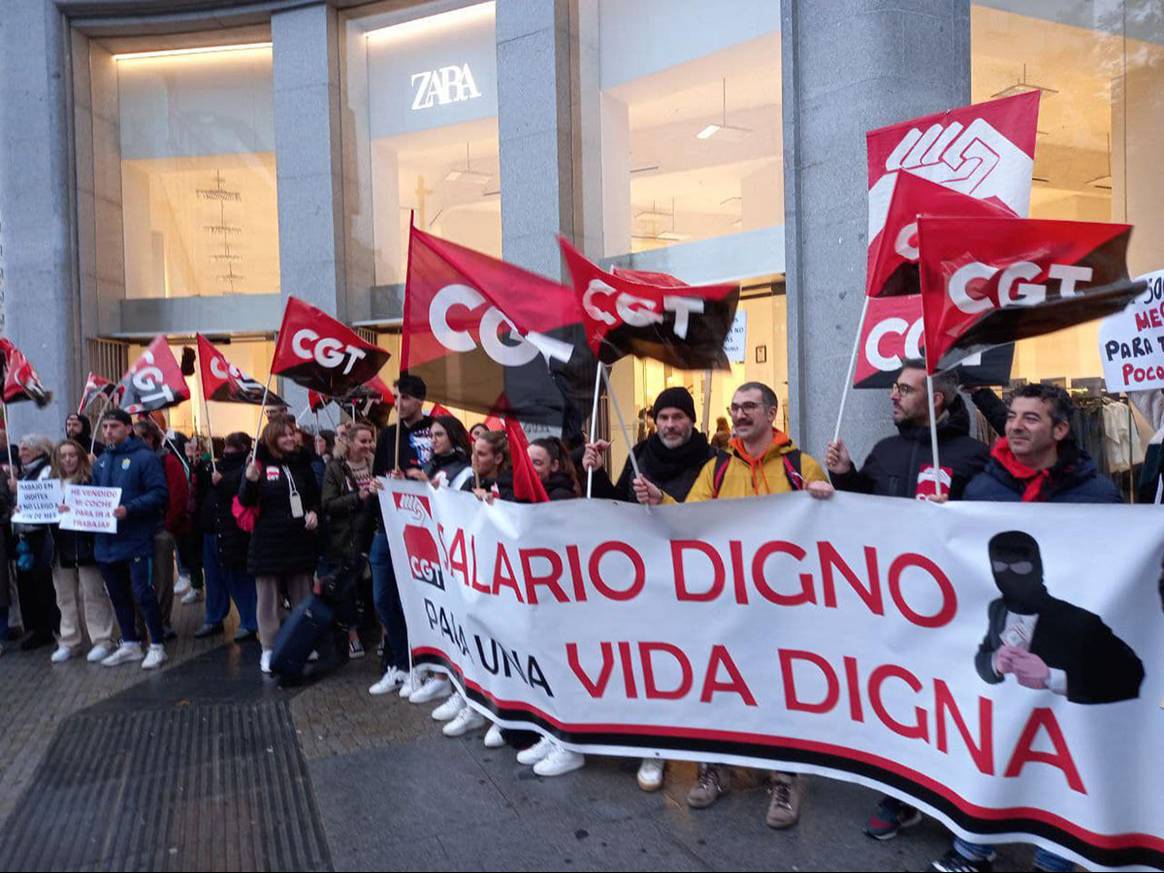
point(660, 462)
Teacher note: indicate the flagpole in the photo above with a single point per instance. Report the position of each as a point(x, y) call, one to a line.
point(399, 425)
point(7, 438)
point(594, 424)
point(209, 433)
point(93, 442)
point(630, 449)
point(937, 466)
point(852, 367)
point(262, 409)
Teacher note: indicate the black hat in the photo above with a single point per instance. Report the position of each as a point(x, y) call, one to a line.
point(674, 398)
point(118, 414)
point(413, 386)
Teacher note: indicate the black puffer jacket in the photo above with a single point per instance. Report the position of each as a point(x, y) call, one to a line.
point(892, 468)
point(560, 487)
point(281, 543)
point(203, 498)
point(233, 542)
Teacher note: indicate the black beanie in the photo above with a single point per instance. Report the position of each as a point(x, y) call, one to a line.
point(119, 414)
point(674, 398)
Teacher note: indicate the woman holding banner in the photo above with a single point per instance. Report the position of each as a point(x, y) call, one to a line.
point(281, 486)
point(76, 578)
point(34, 551)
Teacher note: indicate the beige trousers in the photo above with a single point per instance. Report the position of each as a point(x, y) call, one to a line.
point(85, 606)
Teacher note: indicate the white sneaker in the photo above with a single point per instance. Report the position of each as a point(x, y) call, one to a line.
point(191, 596)
point(123, 654)
point(313, 657)
point(98, 653)
point(433, 687)
point(265, 661)
point(412, 683)
point(62, 654)
point(390, 681)
point(449, 710)
point(182, 585)
point(535, 752)
point(493, 738)
point(154, 657)
point(468, 719)
point(560, 760)
point(651, 774)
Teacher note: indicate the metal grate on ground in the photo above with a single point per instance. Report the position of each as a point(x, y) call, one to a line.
point(202, 786)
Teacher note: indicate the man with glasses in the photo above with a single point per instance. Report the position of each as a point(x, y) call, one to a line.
point(759, 460)
point(902, 465)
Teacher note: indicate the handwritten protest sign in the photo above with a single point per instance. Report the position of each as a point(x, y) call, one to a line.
point(1131, 343)
point(38, 501)
point(90, 508)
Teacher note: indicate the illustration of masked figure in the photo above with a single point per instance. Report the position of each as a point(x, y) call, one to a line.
point(1047, 643)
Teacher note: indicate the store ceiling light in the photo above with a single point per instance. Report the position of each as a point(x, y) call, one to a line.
point(467, 173)
point(672, 236)
point(1101, 182)
point(723, 127)
point(200, 50)
point(1022, 86)
point(434, 25)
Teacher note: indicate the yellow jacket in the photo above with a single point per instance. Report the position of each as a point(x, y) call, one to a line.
point(739, 479)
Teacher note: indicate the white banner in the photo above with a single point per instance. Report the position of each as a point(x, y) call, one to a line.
point(1131, 343)
point(38, 501)
point(90, 508)
point(787, 632)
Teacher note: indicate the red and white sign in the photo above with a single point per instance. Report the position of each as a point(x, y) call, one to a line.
point(987, 281)
point(322, 354)
point(788, 633)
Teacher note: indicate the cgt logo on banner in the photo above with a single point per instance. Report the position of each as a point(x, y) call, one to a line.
point(420, 543)
point(978, 670)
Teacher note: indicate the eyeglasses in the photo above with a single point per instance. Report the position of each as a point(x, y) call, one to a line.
point(901, 389)
point(1020, 567)
point(747, 408)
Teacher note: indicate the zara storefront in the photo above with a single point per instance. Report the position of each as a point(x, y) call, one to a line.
point(183, 167)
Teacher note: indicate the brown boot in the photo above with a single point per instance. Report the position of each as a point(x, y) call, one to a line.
point(713, 782)
point(784, 808)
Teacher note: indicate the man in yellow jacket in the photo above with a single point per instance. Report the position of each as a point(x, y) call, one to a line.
point(759, 460)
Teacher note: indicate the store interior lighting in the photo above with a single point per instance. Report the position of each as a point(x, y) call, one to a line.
point(1022, 86)
point(201, 50)
point(467, 173)
point(730, 131)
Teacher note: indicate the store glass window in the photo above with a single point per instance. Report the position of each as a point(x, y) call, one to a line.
point(197, 163)
point(1100, 68)
point(421, 97)
point(690, 111)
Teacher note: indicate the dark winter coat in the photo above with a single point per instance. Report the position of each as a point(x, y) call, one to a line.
point(350, 520)
point(75, 548)
point(1074, 479)
point(674, 471)
point(203, 499)
point(137, 470)
point(452, 465)
point(892, 468)
point(560, 487)
point(281, 543)
point(233, 542)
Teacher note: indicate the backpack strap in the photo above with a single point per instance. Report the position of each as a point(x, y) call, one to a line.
point(722, 459)
point(792, 470)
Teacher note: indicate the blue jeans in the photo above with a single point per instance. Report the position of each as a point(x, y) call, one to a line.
point(1044, 860)
point(217, 597)
point(386, 597)
point(241, 586)
point(128, 582)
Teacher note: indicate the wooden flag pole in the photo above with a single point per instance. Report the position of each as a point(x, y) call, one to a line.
point(852, 368)
point(594, 424)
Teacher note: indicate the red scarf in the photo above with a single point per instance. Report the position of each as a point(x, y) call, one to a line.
point(1034, 479)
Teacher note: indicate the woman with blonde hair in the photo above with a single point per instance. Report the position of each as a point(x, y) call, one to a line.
point(81, 596)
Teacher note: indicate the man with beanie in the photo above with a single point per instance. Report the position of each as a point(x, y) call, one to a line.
point(125, 557)
point(671, 457)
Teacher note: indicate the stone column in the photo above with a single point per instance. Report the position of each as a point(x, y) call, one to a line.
point(849, 67)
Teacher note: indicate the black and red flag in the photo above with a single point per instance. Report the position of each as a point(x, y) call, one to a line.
point(95, 386)
point(20, 380)
point(683, 326)
point(491, 337)
point(223, 382)
point(322, 354)
point(154, 381)
point(989, 281)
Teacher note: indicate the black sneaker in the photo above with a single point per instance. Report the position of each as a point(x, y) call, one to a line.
point(955, 862)
point(891, 817)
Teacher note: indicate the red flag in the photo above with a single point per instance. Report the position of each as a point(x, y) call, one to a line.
point(317, 401)
point(154, 381)
point(20, 380)
point(436, 410)
point(322, 354)
point(680, 325)
point(893, 253)
point(987, 281)
point(647, 277)
point(494, 423)
point(223, 382)
point(95, 386)
point(527, 487)
point(485, 335)
point(986, 151)
point(893, 331)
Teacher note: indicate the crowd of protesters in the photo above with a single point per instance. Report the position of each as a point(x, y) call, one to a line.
point(265, 527)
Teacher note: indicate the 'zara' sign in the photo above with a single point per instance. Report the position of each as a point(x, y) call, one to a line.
point(451, 84)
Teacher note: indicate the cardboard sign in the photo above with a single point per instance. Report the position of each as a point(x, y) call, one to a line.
point(90, 508)
point(38, 501)
point(1131, 343)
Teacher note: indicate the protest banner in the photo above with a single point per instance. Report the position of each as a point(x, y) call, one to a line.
point(783, 632)
point(1131, 342)
point(38, 501)
point(90, 508)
